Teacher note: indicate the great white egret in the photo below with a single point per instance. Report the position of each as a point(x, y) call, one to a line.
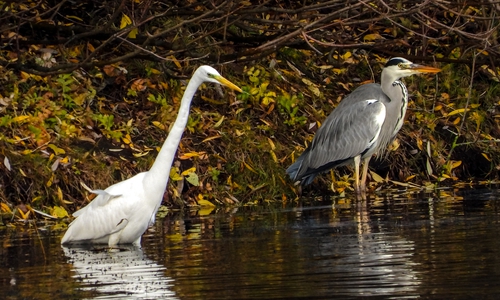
point(363, 123)
point(121, 213)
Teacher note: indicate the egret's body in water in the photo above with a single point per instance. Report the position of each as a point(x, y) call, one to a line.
point(121, 213)
point(364, 123)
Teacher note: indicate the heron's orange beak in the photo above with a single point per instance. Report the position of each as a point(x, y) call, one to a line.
point(424, 69)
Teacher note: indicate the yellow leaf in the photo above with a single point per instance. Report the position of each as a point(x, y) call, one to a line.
point(394, 145)
point(205, 203)
point(250, 168)
point(127, 139)
point(133, 33)
point(266, 101)
point(56, 149)
point(376, 177)
point(140, 154)
point(24, 216)
point(25, 75)
point(75, 17)
point(5, 208)
point(19, 119)
point(455, 164)
point(59, 194)
point(80, 99)
point(190, 170)
point(271, 143)
point(192, 154)
point(273, 155)
point(50, 181)
point(176, 62)
point(159, 125)
point(410, 177)
point(445, 96)
point(372, 37)
point(486, 156)
point(254, 91)
point(206, 210)
point(90, 47)
point(211, 138)
point(344, 85)
point(174, 175)
point(219, 122)
point(125, 21)
point(458, 111)
point(338, 71)
point(59, 212)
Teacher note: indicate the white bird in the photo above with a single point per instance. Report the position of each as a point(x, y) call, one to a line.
point(121, 213)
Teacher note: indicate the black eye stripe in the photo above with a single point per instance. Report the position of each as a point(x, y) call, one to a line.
point(395, 61)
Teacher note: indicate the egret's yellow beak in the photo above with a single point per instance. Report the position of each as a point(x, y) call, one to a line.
point(227, 83)
point(424, 69)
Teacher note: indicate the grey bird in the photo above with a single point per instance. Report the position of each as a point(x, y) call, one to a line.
point(364, 123)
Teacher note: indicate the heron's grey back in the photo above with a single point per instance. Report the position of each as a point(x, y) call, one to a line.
point(347, 132)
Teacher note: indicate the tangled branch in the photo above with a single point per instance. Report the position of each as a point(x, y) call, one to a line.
point(83, 35)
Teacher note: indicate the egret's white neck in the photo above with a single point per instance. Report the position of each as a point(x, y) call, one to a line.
point(157, 177)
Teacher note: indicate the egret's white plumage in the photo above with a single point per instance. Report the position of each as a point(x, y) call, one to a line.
point(121, 213)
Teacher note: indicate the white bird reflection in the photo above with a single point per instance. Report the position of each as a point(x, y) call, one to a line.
point(126, 273)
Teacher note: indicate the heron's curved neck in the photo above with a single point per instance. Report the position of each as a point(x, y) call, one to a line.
point(397, 94)
point(156, 178)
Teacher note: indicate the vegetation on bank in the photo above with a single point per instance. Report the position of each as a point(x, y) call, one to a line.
point(92, 104)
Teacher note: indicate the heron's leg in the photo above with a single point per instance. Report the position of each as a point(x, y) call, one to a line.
point(357, 162)
point(366, 162)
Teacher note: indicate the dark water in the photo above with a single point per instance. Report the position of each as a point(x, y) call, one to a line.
point(417, 246)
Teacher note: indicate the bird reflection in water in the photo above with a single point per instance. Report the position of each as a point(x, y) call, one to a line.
point(120, 273)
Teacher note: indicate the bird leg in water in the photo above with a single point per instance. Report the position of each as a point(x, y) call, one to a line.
point(366, 162)
point(357, 162)
point(360, 187)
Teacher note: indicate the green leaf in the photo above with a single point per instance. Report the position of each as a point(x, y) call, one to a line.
point(56, 149)
point(174, 175)
point(193, 179)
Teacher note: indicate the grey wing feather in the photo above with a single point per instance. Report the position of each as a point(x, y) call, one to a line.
point(348, 131)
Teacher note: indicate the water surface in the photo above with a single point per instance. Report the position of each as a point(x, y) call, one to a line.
point(413, 246)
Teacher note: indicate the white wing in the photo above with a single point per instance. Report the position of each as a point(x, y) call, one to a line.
point(108, 213)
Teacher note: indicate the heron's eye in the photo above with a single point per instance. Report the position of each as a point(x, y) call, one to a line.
point(400, 65)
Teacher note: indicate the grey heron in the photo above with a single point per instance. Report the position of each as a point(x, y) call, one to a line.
point(364, 123)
